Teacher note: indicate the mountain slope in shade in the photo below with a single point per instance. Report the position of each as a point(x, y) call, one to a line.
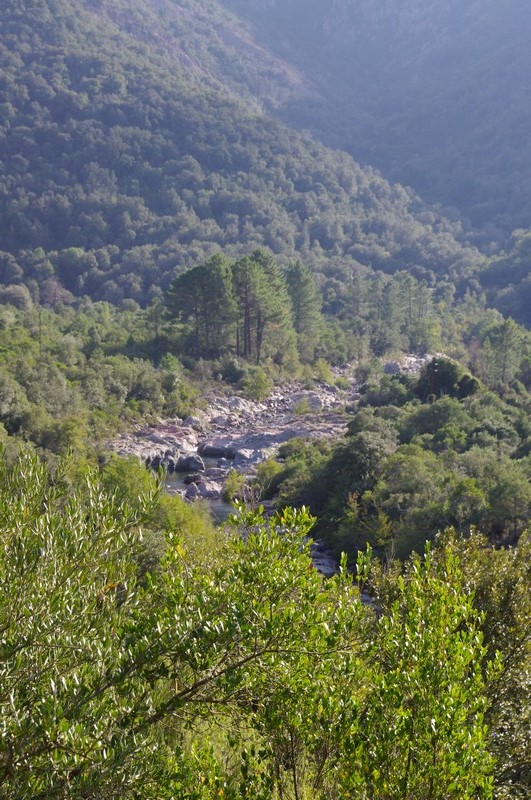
point(435, 93)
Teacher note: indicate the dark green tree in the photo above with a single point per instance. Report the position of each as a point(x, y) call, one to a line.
point(440, 377)
point(504, 351)
point(203, 298)
point(264, 327)
point(306, 308)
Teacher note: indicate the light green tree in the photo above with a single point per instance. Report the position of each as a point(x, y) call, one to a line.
point(424, 733)
point(499, 580)
point(243, 676)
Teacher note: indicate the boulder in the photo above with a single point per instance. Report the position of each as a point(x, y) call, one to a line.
point(204, 489)
point(192, 492)
point(189, 463)
point(214, 473)
point(210, 489)
point(156, 438)
point(245, 457)
point(218, 447)
point(222, 420)
point(191, 422)
point(238, 404)
point(195, 462)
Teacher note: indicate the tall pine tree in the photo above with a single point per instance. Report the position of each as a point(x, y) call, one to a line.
point(265, 328)
point(203, 299)
point(306, 309)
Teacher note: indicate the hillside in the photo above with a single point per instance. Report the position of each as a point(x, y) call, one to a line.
point(433, 93)
point(128, 151)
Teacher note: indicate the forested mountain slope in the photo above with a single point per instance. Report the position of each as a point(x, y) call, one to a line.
point(435, 93)
point(127, 150)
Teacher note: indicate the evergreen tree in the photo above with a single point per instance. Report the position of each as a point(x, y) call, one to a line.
point(203, 298)
point(504, 349)
point(264, 312)
point(306, 305)
point(246, 279)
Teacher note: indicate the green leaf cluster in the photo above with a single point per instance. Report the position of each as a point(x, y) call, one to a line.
point(247, 675)
point(408, 469)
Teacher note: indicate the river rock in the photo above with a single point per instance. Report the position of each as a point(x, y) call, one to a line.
point(189, 463)
point(214, 473)
point(210, 489)
point(192, 492)
point(246, 457)
point(204, 489)
point(192, 422)
point(218, 447)
point(323, 560)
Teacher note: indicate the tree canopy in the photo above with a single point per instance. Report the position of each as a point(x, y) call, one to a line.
point(242, 674)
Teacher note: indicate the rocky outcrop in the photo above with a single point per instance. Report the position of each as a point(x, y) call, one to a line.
point(189, 463)
point(239, 433)
point(236, 433)
point(410, 364)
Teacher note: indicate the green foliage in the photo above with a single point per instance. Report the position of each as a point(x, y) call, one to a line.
point(234, 485)
point(300, 479)
point(426, 718)
point(267, 474)
point(514, 299)
point(303, 407)
point(391, 120)
point(204, 297)
point(241, 308)
point(67, 589)
point(264, 324)
point(244, 675)
point(306, 305)
point(439, 377)
point(406, 471)
point(71, 377)
point(154, 162)
point(500, 581)
point(255, 384)
point(323, 372)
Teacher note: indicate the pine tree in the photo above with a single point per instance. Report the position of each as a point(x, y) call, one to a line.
point(203, 298)
point(265, 328)
point(306, 305)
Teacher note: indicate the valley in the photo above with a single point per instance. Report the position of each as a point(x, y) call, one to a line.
point(275, 253)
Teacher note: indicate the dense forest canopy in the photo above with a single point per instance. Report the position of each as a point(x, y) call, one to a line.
point(120, 164)
point(226, 667)
point(433, 93)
